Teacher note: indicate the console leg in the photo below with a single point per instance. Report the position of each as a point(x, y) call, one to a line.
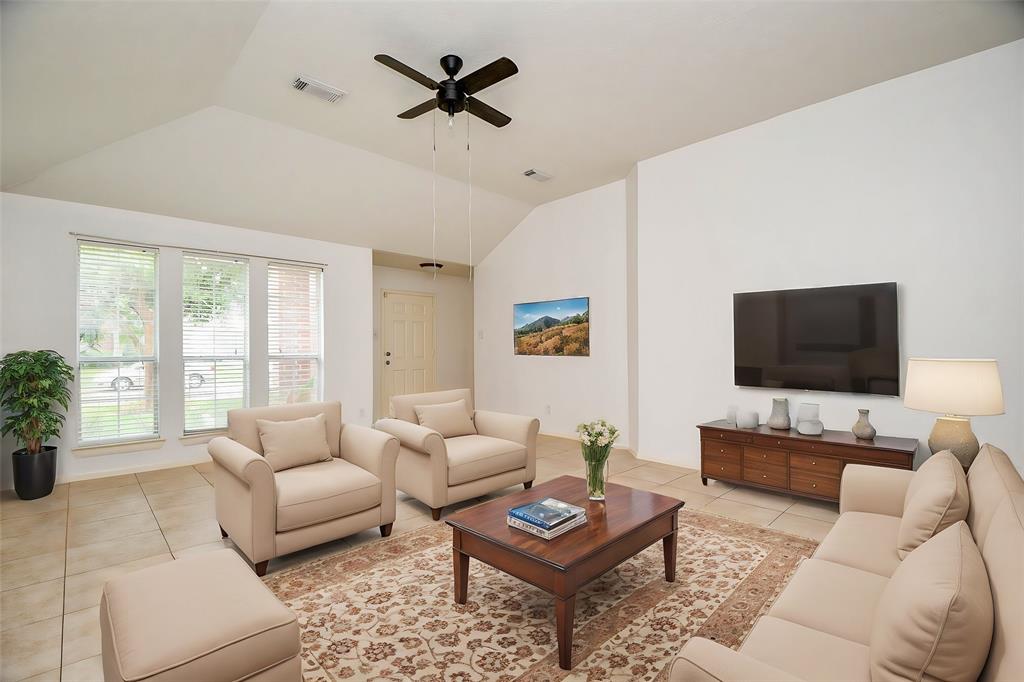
point(704, 480)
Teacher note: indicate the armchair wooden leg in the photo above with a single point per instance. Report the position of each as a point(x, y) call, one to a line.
point(436, 513)
point(528, 485)
point(261, 567)
point(223, 533)
point(385, 530)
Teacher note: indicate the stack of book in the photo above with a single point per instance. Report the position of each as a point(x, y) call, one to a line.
point(547, 518)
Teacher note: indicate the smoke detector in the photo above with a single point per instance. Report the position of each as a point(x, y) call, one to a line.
point(539, 176)
point(318, 88)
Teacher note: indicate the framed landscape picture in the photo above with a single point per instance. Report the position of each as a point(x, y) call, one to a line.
point(559, 327)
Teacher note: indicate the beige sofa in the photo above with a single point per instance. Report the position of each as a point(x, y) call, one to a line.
point(269, 514)
point(440, 471)
point(822, 625)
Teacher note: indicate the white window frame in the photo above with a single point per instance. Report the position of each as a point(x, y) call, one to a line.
point(319, 355)
point(186, 358)
point(122, 359)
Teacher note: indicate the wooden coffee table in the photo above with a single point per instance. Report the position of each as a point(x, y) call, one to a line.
point(626, 523)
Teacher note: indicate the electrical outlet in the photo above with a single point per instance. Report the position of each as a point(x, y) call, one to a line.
point(362, 411)
point(547, 409)
point(480, 335)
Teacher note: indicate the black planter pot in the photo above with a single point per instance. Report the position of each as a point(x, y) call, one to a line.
point(34, 474)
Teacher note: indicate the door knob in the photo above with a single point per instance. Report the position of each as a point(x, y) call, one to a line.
point(387, 362)
point(388, 354)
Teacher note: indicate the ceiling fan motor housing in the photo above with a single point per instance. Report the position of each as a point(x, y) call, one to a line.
point(450, 97)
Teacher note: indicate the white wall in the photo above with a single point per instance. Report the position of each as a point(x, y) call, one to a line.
point(39, 285)
point(453, 323)
point(571, 247)
point(917, 180)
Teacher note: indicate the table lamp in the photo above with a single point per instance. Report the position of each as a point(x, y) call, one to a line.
point(959, 389)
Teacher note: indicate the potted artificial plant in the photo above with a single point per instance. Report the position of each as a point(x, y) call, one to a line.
point(32, 384)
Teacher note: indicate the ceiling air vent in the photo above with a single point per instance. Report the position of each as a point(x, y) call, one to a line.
point(318, 88)
point(539, 176)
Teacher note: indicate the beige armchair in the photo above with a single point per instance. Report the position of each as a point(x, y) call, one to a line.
point(268, 514)
point(439, 471)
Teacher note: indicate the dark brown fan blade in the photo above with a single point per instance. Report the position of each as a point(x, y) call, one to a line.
point(498, 70)
point(419, 109)
point(487, 113)
point(406, 71)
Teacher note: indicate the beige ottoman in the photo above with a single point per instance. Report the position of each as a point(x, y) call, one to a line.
point(204, 617)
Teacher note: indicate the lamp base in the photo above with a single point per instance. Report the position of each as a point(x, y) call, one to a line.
point(954, 434)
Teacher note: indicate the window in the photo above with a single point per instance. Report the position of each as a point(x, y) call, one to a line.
point(117, 343)
point(215, 339)
point(294, 333)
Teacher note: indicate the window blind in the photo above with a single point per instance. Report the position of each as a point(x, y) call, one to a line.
point(215, 338)
point(294, 333)
point(117, 343)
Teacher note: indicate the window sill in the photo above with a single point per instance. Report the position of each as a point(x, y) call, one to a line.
point(201, 438)
point(114, 448)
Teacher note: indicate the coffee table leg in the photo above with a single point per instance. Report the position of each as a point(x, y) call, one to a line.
point(461, 562)
point(565, 612)
point(669, 545)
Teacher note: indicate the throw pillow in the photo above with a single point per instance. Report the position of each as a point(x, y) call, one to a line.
point(936, 498)
point(448, 419)
point(294, 443)
point(934, 620)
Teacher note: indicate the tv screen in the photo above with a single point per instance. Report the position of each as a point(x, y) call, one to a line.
point(842, 339)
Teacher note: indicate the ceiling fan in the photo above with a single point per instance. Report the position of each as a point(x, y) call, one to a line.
point(453, 95)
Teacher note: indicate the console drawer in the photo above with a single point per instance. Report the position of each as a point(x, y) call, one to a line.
point(819, 466)
point(726, 435)
point(772, 442)
point(730, 451)
point(717, 467)
point(813, 484)
point(763, 456)
point(811, 446)
point(774, 475)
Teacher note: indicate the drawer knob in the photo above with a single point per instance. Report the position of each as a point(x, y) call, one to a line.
point(764, 456)
point(722, 468)
point(814, 485)
point(813, 462)
point(764, 475)
point(778, 442)
point(721, 450)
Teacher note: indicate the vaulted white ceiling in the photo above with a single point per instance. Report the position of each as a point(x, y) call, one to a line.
point(186, 109)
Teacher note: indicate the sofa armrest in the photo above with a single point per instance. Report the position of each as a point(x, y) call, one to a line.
point(245, 498)
point(513, 427)
point(238, 460)
point(376, 452)
point(702, 660)
point(413, 436)
point(877, 490)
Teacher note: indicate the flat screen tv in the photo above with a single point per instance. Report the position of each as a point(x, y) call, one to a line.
point(843, 339)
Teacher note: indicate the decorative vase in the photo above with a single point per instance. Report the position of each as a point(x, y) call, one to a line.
point(863, 428)
point(596, 458)
point(730, 414)
point(747, 419)
point(779, 418)
point(807, 420)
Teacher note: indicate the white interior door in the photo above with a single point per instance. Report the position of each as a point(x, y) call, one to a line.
point(407, 351)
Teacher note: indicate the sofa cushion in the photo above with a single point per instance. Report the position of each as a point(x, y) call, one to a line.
point(832, 598)
point(1003, 553)
point(448, 419)
point(863, 540)
point(323, 491)
point(202, 617)
point(471, 458)
point(991, 479)
point(935, 617)
point(806, 653)
point(293, 443)
point(936, 499)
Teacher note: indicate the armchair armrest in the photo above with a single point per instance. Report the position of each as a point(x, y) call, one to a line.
point(376, 452)
point(702, 660)
point(513, 427)
point(239, 461)
point(245, 498)
point(413, 436)
point(877, 490)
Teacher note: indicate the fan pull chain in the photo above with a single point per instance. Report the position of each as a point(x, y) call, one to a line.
point(469, 153)
point(433, 191)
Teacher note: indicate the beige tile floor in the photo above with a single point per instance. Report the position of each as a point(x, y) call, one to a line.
point(56, 553)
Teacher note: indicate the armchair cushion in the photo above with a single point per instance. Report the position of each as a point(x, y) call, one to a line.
point(448, 419)
point(471, 458)
point(319, 492)
point(293, 443)
point(936, 499)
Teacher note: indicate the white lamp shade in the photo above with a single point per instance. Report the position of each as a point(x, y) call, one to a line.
point(957, 387)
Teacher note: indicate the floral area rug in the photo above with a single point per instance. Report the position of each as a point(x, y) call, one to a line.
point(385, 611)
